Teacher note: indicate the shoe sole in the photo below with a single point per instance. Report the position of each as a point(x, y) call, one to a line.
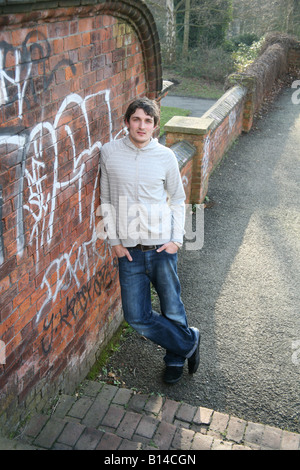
point(171, 382)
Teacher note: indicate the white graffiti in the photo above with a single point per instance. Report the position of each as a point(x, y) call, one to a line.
point(232, 120)
point(16, 69)
point(19, 142)
point(38, 200)
point(2, 353)
point(15, 80)
point(205, 159)
point(54, 195)
point(65, 270)
point(185, 181)
point(42, 205)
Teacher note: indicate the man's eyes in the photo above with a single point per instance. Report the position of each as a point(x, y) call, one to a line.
point(148, 121)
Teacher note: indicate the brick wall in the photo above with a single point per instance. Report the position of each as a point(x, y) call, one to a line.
point(214, 132)
point(186, 177)
point(67, 73)
point(294, 57)
point(227, 115)
point(279, 55)
point(212, 135)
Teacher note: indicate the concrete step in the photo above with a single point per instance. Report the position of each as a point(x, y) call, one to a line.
point(105, 417)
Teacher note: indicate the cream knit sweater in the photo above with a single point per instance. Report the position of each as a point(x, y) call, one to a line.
point(142, 196)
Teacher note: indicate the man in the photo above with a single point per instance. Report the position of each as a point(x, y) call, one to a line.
point(142, 202)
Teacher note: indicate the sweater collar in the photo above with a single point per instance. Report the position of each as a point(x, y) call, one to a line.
point(152, 144)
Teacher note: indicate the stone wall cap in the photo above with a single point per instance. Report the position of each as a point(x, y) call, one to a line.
point(189, 125)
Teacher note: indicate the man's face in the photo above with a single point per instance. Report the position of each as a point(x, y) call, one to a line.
point(140, 127)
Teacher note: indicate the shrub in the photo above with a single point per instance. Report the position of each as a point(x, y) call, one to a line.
point(232, 44)
point(245, 55)
point(207, 62)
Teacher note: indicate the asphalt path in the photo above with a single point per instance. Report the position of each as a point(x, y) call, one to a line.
point(242, 288)
point(196, 106)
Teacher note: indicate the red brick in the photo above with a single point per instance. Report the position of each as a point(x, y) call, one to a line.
point(85, 24)
point(72, 42)
point(58, 46)
point(164, 435)
point(128, 425)
point(19, 35)
point(108, 20)
point(7, 267)
point(23, 295)
point(86, 39)
point(4, 284)
point(6, 36)
point(74, 27)
point(88, 43)
point(87, 52)
point(57, 30)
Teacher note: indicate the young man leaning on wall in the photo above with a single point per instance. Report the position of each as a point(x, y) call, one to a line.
point(142, 204)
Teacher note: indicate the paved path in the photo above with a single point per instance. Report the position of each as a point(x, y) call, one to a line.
point(106, 417)
point(196, 106)
point(242, 289)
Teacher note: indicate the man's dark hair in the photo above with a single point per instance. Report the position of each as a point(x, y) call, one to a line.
point(150, 107)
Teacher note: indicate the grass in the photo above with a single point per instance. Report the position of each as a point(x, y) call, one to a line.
point(123, 331)
point(187, 86)
point(193, 87)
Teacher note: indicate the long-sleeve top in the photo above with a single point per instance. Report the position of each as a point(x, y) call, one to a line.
point(142, 196)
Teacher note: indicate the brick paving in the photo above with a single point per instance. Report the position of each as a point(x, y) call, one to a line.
point(106, 417)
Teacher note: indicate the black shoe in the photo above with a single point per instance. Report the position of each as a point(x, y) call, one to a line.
point(173, 374)
point(194, 360)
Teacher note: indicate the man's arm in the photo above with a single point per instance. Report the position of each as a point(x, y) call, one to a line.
point(177, 198)
point(176, 193)
point(109, 214)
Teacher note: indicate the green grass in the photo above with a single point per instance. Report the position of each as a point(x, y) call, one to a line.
point(193, 87)
point(167, 113)
point(113, 345)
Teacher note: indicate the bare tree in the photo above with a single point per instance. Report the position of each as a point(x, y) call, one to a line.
point(261, 17)
point(289, 15)
point(186, 33)
point(170, 32)
point(165, 13)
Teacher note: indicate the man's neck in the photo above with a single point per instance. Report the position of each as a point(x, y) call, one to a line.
point(140, 145)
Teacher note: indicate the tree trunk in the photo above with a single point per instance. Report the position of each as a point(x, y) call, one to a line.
point(186, 33)
point(170, 32)
point(289, 16)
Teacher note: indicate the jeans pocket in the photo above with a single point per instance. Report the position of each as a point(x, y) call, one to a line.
point(170, 254)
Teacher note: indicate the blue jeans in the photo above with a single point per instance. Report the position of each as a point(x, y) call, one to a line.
point(168, 329)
